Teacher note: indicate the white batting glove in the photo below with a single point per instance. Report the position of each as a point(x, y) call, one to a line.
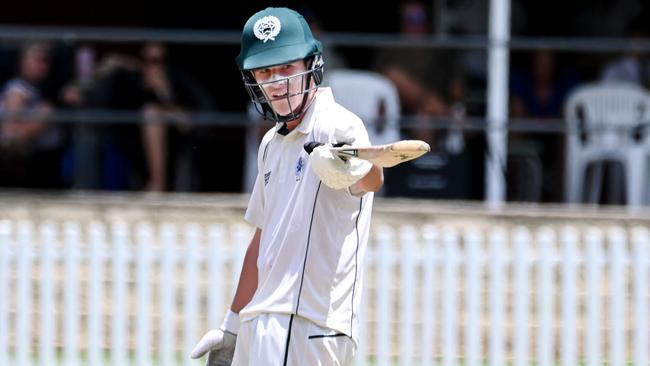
point(335, 172)
point(219, 342)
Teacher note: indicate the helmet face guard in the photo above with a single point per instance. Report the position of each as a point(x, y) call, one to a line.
point(278, 36)
point(309, 81)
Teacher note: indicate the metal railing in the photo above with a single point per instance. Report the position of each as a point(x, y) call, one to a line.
point(344, 39)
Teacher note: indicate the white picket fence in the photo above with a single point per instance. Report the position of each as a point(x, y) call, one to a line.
point(136, 293)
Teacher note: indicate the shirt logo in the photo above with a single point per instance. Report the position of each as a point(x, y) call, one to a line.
point(267, 176)
point(267, 28)
point(300, 168)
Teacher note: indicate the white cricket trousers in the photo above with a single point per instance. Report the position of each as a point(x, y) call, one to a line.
point(289, 340)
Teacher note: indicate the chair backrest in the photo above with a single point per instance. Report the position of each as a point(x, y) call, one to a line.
point(372, 97)
point(607, 115)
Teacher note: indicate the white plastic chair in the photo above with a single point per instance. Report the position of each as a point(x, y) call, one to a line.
point(602, 119)
point(372, 97)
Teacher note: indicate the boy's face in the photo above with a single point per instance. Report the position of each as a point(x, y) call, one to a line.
point(36, 64)
point(283, 85)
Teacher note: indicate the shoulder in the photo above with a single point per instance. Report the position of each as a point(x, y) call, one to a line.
point(621, 69)
point(338, 116)
point(340, 124)
point(21, 86)
point(268, 136)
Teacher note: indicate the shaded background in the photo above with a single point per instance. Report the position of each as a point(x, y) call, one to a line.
point(214, 69)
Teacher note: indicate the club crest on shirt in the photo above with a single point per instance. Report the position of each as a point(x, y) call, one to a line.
point(300, 168)
point(267, 176)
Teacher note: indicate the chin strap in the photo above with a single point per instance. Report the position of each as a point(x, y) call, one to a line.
point(283, 130)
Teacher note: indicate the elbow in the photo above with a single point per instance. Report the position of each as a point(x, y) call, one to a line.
point(374, 181)
point(379, 182)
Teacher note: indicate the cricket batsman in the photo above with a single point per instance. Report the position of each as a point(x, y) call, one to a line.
point(298, 298)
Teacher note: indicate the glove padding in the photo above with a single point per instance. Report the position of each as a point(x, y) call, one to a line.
point(335, 172)
point(219, 342)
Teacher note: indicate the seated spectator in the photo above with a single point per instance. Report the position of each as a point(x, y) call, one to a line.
point(30, 148)
point(633, 66)
point(431, 83)
point(167, 133)
point(158, 155)
point(79, 163)
point(428, 81)
point(538, 89)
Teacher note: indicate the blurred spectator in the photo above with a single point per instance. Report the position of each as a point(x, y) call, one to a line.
point(159, 154)
point(633, 66)
point(540, 87)
point(167, 133)
point(30, 148)
point(431, 83)
point(108, 156)
point(470, 18)
point(79, 163)
point(428, 81)
point(538, 90)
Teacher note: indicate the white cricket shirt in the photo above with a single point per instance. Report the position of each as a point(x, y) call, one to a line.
point(313, 237)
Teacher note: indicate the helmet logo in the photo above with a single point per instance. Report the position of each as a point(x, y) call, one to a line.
point(267, 28)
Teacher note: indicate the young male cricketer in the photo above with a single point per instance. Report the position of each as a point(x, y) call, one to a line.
point(299, 293)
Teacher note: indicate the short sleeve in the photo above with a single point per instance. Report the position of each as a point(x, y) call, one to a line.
point(255, 211)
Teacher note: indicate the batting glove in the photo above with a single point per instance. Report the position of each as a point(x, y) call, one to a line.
point(335, 172)
point(219, 342)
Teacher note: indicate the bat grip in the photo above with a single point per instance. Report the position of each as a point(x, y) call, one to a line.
point(310, 146)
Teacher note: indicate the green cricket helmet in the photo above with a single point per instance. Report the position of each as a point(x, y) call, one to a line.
point(277, 36)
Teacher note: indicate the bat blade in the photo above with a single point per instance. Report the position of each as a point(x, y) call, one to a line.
point(385, 155)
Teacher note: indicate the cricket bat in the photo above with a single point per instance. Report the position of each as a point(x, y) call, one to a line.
point(386, 156)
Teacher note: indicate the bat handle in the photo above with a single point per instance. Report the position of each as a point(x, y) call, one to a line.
point(310, 146)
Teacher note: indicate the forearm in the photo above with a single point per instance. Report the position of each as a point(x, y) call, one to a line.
point(373, 181)
point(248, 277)
point(28, 130)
